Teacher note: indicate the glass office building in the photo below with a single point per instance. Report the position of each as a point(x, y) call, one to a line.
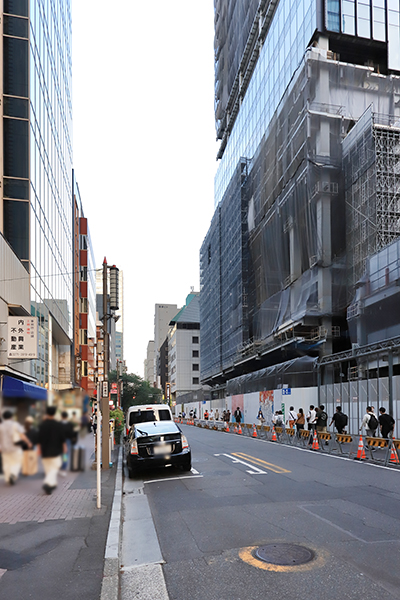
point(274, 264)
point(37, 170)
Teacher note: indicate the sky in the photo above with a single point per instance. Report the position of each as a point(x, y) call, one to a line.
point(144, 147)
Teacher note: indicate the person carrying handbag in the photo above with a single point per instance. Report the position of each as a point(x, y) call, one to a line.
point(260, 417)
point(12, 438)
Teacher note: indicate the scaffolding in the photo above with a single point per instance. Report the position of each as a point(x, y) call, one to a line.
point(371, 161)
point(277, 263)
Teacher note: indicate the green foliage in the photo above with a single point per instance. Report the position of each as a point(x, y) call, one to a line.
point(136, 391)
point(118, 416)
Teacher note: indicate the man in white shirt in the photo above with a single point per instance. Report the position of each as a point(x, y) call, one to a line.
point(292, 416)
point(311, 420)
point(370, 422)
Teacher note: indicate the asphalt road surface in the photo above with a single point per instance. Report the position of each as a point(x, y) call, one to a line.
point(242, 523)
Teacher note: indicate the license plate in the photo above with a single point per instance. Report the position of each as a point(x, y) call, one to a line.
point(165, 449)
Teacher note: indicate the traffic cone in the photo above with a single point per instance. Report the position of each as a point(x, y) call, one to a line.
point(227, 427)
point(239, 430)
point(273, 439)
point(393, 456)
point(360, 451)
point(254, 431)
point(234, 428)
point(315, 445)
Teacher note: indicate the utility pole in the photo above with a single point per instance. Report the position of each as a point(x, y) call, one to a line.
point(105, 407)
point(108, 313)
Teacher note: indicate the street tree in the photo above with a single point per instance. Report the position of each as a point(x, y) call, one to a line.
point(136, 390)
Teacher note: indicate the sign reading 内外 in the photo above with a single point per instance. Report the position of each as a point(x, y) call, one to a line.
point(22, 337)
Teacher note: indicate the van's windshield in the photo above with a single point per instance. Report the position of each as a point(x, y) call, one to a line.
point(144, 416)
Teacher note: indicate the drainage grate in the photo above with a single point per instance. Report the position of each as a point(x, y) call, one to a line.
point(284, 554)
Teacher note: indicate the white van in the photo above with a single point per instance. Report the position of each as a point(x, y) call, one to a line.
point(146, 413)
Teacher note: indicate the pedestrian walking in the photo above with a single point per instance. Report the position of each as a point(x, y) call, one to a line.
point(216, 416)
point(71, 439)
point(211, 415)
point(386, 423)
point(300, 421)
point(311, 420)
point(94, 422)
point(51, 446)
point(12, 437)
point(339, 420)
point(321, 419)
point(30, 430)
point(227, 416)
point(238, 415)
point(370, 422)
point(260, 416)
point(86, 426)
point(292, 416)
point(206, 415)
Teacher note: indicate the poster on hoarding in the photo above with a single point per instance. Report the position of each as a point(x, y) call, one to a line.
point(267, 405)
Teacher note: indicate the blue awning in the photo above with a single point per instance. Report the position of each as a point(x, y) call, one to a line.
point(16, 388)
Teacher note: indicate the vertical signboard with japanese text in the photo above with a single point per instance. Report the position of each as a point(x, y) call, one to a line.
point(22, 337)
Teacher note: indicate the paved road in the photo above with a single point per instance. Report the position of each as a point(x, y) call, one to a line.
point(249, 494)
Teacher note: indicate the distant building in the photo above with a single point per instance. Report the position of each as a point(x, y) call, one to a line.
point(163, 313)
point(184, 348)
point(85, 346)
point(149, 363)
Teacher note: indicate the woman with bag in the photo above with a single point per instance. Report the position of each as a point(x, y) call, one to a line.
point(300, 421)
point(260, 417)
point(11, 439)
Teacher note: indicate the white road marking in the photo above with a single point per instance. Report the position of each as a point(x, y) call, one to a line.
point(2, 572)
point(253, 470)
point(173, 478)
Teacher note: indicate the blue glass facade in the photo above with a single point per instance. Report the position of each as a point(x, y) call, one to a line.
point(37, 149)
point(375, 20)
point(51, 224)
point(290, 32)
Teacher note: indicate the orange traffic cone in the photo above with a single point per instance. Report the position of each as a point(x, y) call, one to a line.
point(234, 428)
point(254, 431)
point(315, 445)
point(394, 456)
point(273, 439)
point(227, 427)
point(360, 451)
point(239, 430)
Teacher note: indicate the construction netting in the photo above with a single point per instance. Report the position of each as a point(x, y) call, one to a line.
point(296, 373)
point(277, 246)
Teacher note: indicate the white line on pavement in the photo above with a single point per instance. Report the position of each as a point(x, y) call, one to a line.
point(254, 470)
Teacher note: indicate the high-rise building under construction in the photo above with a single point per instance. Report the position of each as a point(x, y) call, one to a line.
point(307, 192)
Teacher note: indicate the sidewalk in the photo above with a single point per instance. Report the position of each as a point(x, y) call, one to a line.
point(55, 546)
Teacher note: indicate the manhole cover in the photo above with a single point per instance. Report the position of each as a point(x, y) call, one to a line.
point(284, 554)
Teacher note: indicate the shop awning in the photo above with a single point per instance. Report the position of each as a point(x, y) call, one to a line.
point(16, 388)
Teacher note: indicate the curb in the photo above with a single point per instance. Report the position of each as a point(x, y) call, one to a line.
point(110, 584)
